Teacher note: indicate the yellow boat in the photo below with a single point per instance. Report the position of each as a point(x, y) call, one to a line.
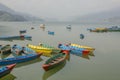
point(54, 49)
point(39, 49)
point(81, 46)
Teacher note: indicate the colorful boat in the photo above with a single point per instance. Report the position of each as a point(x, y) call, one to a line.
point(19, 37)
point(6, 69)
point(98, 30)
point(91, 49)
point(114, 29)
point(17, 49)
point(74, 50)
point(5, 49)
point(19, 59)
point(38, 49)
point(81, 46)
point(55, 60)
point(54, 49)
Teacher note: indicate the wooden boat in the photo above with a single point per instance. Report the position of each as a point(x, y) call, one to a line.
point(19, 50)
point(32, 27)
point(42, 25)
point(5, 49)
point(48, 74)
point(38, 49)
point(91, 49)
point(6, 69)
point(54, 49)
point(74, 50)
point(19, 59)
point(51, 32)
point(19, 37)
point(98, 30)
point(81, 36)
point(55, 60)
point(113, 29)
point(82, 46)
point(22, 31)
point(68, 27)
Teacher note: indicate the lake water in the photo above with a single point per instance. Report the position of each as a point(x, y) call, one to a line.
point(104, 65)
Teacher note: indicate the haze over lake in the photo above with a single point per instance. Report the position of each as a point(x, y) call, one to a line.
point(104, 65)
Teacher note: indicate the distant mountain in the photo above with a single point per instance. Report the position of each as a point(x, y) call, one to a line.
point(7, 14)
point(5, 8)
point(112, 15)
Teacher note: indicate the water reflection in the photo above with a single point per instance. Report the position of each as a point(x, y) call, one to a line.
point(83, 56)
point(29, 62)
point(6, 40)
point(68, 57)
point(68, 29)
point(43, 29)
point(51, 72)
point(8, 77)
point(91, 54)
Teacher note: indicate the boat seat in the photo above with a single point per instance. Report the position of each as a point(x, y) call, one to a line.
point(48, 61)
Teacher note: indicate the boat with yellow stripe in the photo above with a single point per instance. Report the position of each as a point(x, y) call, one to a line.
point(81, 46)
point(54, 49)
point(39, 49)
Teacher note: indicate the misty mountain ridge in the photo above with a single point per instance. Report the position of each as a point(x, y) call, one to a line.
point(112, 15)
point(5, 8)
point(7, 14)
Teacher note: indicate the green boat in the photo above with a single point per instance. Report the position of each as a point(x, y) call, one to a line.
point(55, 60)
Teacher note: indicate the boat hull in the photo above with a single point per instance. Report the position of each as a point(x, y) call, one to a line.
point(38, 49)
point(74, 50)
point(6, 70)
point(48, 67)
point(19, 59)
point(55, 60)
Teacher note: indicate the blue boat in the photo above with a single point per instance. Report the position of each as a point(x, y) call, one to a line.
point(51, 33)
point(19, 50)
point(6, 69)
point(19, 59)
point(74, 50)
point(81, 36)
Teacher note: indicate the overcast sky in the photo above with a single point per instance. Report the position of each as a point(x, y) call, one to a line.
point(61, 9)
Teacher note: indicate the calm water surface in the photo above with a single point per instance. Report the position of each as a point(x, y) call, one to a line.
point(104, 65)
